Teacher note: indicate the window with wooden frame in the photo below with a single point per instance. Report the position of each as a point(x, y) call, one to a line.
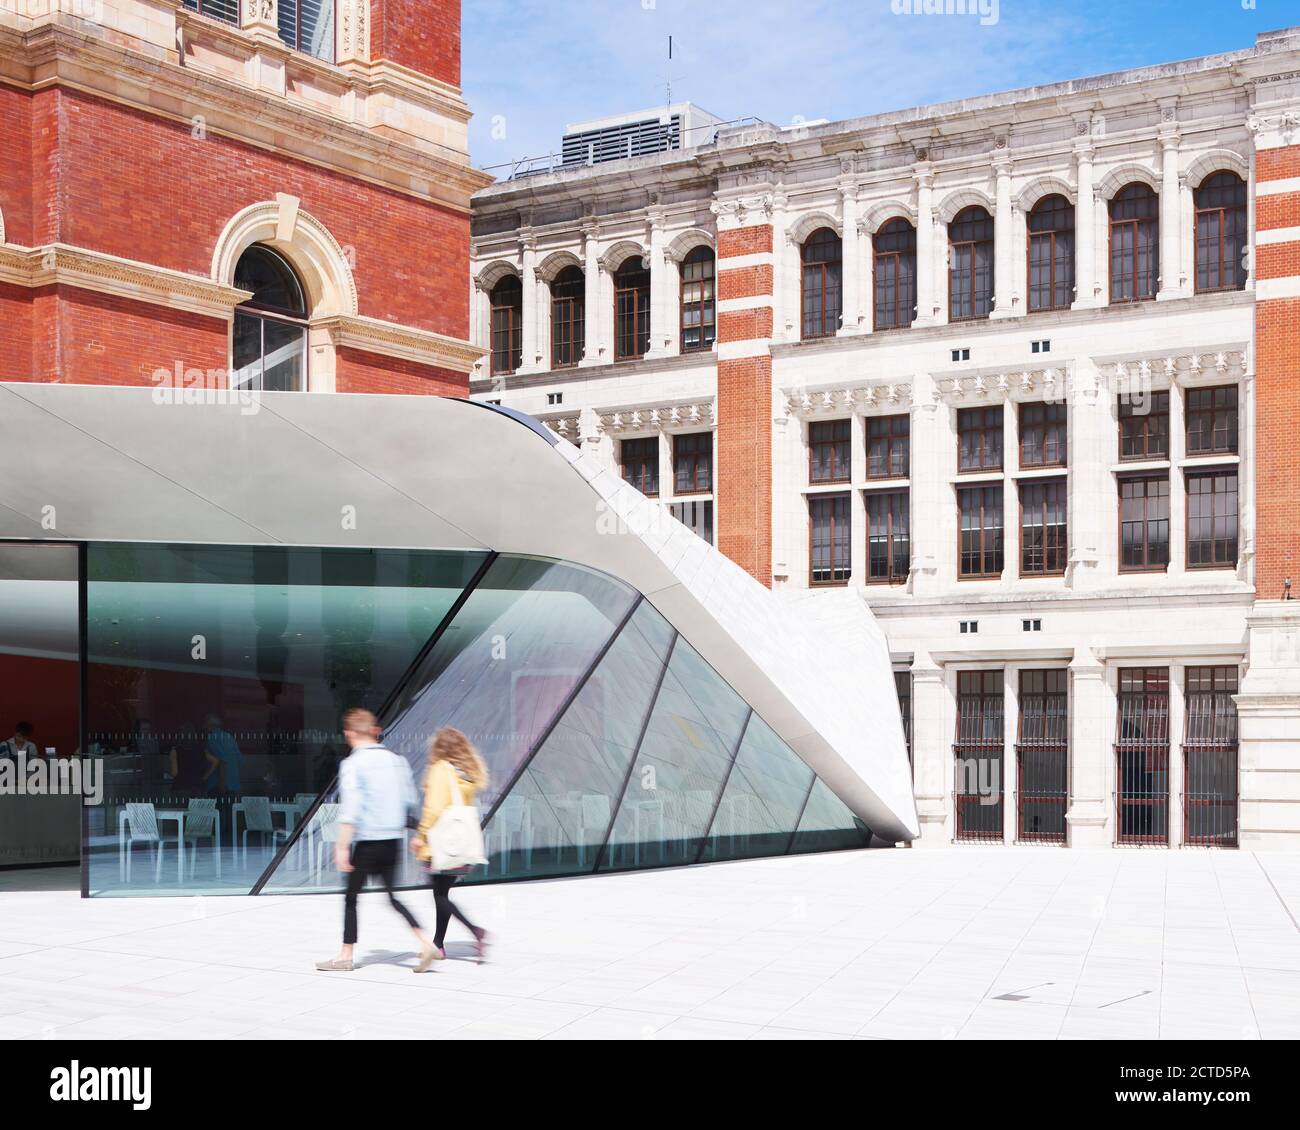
point(977, 755)
point(889, 538)
point(889, 446)
point(568, 318)
point(693, 463)
point(829, 539)
point(1134, 244)
point(699, 317)
point(1051, 254)
point(631, 310)
point(970, 265)
point(980, 531)
point(828, 451)
point(822, 284)
point(894, 277)
point(1142, 756)
point(1221, 233)
point(979, 439)
point(640, 459)
point(1144, 427)
point(1043, 434)
point(227, 11)
point(1044, 536)
point(1042, 755)
point(1210, 775)
point(1212, 421)
point(507, 302)
point(1212, 519)
point(1143, 523)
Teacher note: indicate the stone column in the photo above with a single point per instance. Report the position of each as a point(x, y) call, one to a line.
point(931, 752)
point(780, 269)
point(851, 265)
point(925, 246)
point(593, 344)
point(932, 444)
point(528, 277)
point(1088, 819)
point(660, 333)
point(353, 32)
point(867, 290)
point(1092, 492)
point(1085, 228)
point(1172, 284)
point(1003, 287)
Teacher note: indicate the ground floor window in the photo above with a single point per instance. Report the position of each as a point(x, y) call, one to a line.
point(977, 756)
point(696, 515)
point(1142, 756)
point(1210, 757)
point(1042, 753)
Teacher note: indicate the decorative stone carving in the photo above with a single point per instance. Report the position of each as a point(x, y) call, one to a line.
point(657, 417)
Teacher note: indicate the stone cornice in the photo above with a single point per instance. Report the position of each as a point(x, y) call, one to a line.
point(837, 399)
point(658, 417)
point(57, 264)
point(422, 347)
point(55, 54)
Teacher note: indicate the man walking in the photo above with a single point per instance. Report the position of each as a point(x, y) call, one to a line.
point(376, 800)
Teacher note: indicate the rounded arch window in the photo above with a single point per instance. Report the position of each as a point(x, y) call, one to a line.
point(699, 320)
point(568, 317)
point(970, 265)
point(631, 309)
point(1221, 230)
point(270, 335)
point(507, 302)
point(821, 284)
point(894, 267)
point(1051, 254)
point(1134, 243)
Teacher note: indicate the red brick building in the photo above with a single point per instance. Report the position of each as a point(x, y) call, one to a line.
point(149, 144)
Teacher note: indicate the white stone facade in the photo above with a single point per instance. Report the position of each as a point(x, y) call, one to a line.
point(1167, 127)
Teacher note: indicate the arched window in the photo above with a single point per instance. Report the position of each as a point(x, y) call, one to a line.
point(1051, 254)
point(270, 340)
point(699, 320)
point(1134, 244)
point(823, 298)
point(631, 309)
point(895, 275)
point(568, 318)
point(1220, 233)
point(970, 269)
point(507, 300)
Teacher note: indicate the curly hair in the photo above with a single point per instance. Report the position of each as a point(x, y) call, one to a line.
point(449, 744)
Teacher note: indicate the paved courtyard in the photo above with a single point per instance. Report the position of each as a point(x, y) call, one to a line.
point(964, 944)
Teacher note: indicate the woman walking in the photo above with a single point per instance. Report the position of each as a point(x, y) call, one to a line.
point(455, 774)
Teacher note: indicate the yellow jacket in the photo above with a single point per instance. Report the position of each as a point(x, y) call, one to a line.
point(438, 797)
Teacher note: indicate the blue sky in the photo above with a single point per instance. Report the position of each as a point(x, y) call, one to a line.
point(531, 66)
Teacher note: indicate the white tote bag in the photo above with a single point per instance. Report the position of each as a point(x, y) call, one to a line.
point(456, 840)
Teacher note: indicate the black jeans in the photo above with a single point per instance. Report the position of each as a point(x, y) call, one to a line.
point(372, 857)
point(443, 881)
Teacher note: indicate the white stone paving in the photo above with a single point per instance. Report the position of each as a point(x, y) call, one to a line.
point(972, 943)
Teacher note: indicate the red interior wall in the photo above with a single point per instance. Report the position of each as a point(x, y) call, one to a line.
point(44, 692)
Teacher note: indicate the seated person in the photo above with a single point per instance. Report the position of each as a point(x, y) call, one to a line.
point(20, 743)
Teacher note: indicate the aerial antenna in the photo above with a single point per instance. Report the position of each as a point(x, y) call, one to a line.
point(668, 86)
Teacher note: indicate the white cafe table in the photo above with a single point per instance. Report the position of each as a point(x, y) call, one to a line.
point(161, 814)
point(291, 810)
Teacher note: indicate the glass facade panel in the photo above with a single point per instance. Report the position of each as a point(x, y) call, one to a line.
point(693, 734)
point(760, 806)
point(554, 821)
point(215, 680)
point(827, 824)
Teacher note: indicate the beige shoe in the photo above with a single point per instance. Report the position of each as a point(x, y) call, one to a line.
point(432, 954)
point(334, 966)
